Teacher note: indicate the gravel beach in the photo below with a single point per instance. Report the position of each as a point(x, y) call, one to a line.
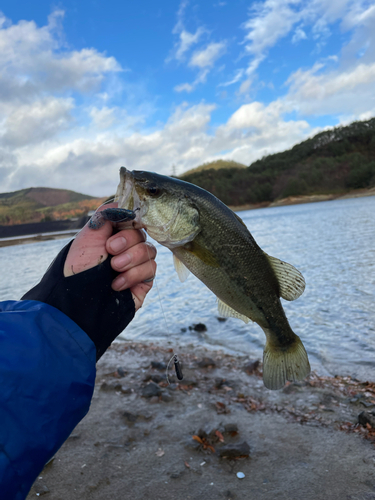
point(217, 434)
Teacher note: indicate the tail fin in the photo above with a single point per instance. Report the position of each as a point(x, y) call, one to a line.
point(284, 363)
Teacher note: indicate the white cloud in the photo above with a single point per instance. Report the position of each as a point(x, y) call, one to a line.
point(185, 140)
point(39, 75)
point(36, 122)
point(273, 19)
point(102, 118)
point(299, 35)
point(333, 92)
point(237, 76)
point(185, 39)
point(204, 60)
point(34, 60)
point(184, 87)
point(245, 87)
point(207, 57)
point(41, 78)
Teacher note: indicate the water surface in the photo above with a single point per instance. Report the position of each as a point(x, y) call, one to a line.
point(332, 243)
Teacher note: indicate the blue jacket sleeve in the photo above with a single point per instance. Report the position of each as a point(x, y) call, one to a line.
point(47, 376)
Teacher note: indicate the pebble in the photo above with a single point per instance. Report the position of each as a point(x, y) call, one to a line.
point(121, 372)
point(157, 365)
point(126, 390)
point(151, 390)
point(240, 475)
point(206, 362)
point(167, 398)
point(366, 417)
point(111, 386)
point(231, 428)
point(40, 488)
point(130, 417)
point(200, 327)
point(235, 450)
point(177, 474)
point(158, 378)
point(251, 367)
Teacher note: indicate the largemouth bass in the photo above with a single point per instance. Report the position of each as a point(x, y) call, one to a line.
point(211, 241)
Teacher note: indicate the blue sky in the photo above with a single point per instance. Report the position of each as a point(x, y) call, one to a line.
point(86, 87)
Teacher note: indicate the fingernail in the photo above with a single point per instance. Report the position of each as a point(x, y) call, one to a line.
point(118, 244)
point(122, 260)
point(118, 283)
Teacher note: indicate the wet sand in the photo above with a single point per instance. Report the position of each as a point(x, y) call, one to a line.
point(145, 439)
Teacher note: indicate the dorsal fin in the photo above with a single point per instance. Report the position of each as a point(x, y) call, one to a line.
point(227, 312)
point(291, 282)
point(182, 271)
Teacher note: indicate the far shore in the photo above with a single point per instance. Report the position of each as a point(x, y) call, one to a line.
point(290, 200)
point(297, 200)
point(24, 240)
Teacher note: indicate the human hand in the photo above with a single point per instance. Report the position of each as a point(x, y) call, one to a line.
point(133, 257)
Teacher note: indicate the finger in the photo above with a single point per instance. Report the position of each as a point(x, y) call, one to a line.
point(134, 276)
point(88, 248)
point(134, 256)
point(139, 293)
point(123, 240)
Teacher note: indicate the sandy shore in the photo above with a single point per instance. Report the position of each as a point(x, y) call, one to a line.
point(145, 439)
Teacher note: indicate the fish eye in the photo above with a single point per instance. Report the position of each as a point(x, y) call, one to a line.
point(153, 190)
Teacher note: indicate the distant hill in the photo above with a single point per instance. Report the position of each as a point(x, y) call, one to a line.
point(335, 161)
point(215, 165)
point(44, 204)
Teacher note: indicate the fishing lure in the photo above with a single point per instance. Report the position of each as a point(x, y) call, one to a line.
point(112, 214)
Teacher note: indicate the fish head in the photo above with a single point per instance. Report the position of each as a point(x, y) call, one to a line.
point(163, 207)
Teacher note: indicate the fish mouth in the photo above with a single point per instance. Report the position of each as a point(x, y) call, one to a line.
point(127, 196)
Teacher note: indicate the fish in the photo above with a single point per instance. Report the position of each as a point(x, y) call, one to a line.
point(212, 242)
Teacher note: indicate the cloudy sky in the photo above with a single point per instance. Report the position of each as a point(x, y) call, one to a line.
point(88, 86)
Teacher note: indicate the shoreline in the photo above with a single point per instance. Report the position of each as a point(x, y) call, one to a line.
point(143, 438)
point(24, 240)
point(291, 200)
point(301, 199)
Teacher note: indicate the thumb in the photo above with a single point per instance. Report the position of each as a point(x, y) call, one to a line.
point(89, 247)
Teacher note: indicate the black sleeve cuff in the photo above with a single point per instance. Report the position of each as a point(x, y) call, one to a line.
point(88, 299)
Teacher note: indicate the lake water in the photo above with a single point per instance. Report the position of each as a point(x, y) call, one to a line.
point(333, 245)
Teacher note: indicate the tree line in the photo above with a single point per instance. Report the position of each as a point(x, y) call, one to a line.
point(333, 161)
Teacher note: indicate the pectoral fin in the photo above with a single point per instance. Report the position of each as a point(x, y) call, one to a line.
point(291, 282)
point(182, 271)
point(227, 312)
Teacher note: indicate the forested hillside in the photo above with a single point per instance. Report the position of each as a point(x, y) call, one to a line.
point(335, 161)
point(216, 165)
point(43, 204)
